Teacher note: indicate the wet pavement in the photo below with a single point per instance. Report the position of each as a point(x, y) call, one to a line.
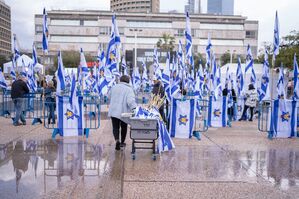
point(237, 162)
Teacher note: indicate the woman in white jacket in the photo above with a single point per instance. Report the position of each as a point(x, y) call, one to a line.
point(122, 100)
point(251, 99)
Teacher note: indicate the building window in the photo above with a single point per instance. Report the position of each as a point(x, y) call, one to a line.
point(38, 29)
point(62, 22)
point(250, 34)
point(105, 30)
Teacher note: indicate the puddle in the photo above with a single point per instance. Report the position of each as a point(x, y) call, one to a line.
point(33, 168)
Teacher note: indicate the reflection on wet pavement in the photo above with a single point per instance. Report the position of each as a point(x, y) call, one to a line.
point(37, 168)
point(33, 168)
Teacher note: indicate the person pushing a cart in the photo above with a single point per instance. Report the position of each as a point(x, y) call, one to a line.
point(122, 100)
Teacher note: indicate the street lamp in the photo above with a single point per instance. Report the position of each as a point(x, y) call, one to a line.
point(135, 30)
point(231, 55)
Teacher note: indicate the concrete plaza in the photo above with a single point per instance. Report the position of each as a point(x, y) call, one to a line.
point(237, 162)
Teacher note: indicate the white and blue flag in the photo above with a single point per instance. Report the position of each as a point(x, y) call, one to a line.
point(124, 66)
point(17, 53)
point(208, 51)
point(217, 112)
point(34, 56)
point(165, 142)
point(264, 91)
point(12, 70)
point(283, 119)
point(70, 115)
point(239, 79)
point(3, 83)
point(276, 37)
point(23, 69)
point(45, 32)
point(60, 75)
point(182, 118)
point(145, 79)
point(188, 36)
point(136, 79)
point(296, 79)
point(280, 85)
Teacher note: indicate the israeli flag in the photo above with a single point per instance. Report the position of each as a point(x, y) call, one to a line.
point(239, 79)
point(45, 32)
point(136, 79)
point(208, 51)
point(34, 56)
point(182, 118)
point(12, 70)
point(3, 83)
point(165, 142)
point(217, 112)
point(283, 119)
point(17, 53)
point(296, 78)
point(83, 64)
point(276, 37)
point(144, 74)
point(181, 56)
point(23, 70)
point(60, 76)
point(124, 66)
point(188, 40)
point(31, 79)
point(280, 85)
point(156, 59)
point(264, 91)
point(70, 113)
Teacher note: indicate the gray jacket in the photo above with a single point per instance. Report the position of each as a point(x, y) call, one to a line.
point(122, 100)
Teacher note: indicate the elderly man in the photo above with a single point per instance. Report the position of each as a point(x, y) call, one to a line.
point(122, 100)
point(18, 89)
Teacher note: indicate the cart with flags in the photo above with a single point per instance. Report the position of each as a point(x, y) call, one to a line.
point(142, 131)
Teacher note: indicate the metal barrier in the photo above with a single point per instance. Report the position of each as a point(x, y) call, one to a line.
point(91, 114)
point(32, 107)
point(201, 118)
point(264, 116)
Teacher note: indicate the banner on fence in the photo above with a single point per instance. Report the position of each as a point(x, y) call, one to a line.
point(284, 119)
point(182, 118)
point(217, 114)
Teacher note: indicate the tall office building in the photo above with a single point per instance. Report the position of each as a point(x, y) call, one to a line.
point(5, 29)
point(221, 7)
point(147, 6)
point(193, 6)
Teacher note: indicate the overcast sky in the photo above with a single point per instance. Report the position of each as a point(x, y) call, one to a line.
point(23, 11)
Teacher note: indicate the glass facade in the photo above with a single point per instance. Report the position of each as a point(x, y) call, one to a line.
point(221, 7)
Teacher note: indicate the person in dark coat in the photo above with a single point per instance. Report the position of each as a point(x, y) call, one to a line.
point(230, 110)
point(18, 89)
point(158, 89)
point(50, 101)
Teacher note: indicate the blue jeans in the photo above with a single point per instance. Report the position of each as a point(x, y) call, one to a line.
point(51, 109)
point(19, 108)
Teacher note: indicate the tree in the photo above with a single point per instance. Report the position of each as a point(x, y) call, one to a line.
point(288, 47)
point(3, 59)
point(225, 58)
point(71, 59)
point(166, 43)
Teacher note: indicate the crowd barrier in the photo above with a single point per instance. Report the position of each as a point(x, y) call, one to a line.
point(91, 115)
point(201, 116)
point(278, 121)
point(32, 106)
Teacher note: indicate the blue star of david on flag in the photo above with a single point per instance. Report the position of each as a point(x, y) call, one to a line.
point(217, 113)
point(70, 114)
point(183, 120)
point(285, 116)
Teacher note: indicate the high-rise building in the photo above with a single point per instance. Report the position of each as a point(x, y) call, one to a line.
point(221, 7)
point(5, 29)
point(147, 6)
point(193, 6)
